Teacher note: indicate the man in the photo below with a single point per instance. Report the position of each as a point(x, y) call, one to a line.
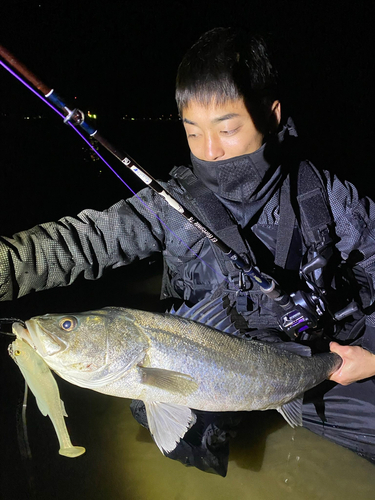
point(249, 185)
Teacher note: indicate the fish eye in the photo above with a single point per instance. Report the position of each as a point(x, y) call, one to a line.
point(68, 324)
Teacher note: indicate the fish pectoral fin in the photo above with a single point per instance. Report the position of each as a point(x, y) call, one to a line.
point(168, 423)
point(292, 412)
point(168, 380)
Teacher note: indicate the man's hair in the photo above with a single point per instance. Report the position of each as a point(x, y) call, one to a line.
point(228, 64)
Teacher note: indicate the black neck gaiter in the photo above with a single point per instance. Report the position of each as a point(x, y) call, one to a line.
point(244, 184)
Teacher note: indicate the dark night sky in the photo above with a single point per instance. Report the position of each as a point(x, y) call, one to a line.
point(120, 57)
point(125, 53)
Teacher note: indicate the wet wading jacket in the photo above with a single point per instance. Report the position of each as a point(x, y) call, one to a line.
point(251, 189)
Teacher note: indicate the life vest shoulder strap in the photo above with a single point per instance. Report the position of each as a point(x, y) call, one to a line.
point(209, 209)
point(304, 201)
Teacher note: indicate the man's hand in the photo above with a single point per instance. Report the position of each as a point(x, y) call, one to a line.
point(357, 364)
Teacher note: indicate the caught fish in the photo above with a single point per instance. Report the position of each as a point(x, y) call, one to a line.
point(44, 387)
point(175, 362)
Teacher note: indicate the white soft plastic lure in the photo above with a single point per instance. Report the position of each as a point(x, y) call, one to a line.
point(44, 387)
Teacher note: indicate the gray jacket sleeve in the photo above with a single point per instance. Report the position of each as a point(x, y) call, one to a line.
point(355, 226)
point(55, 253)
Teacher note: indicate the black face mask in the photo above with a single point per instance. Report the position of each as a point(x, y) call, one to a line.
point(236, 179)
point(248, 180)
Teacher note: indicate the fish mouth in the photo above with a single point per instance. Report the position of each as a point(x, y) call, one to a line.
point(22, 333)
point(38, 338)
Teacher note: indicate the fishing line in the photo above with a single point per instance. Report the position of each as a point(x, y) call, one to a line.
point(24, 445)
point(7, 333)
point(109, 166)
point(11, 321)
point(23, 437)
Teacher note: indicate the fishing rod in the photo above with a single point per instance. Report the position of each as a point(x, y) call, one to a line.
point(299, 315)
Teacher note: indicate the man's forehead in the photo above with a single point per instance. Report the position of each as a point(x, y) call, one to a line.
point(215, 112)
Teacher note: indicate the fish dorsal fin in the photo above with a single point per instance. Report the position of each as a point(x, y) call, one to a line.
point(208, 312)
point(292, 412)
point(168, 423)
point(168, 380)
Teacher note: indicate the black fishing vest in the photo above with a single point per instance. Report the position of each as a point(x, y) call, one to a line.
point(305, 232)
point(303, 195)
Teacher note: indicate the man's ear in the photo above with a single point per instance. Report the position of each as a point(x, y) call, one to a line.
point(275, 117)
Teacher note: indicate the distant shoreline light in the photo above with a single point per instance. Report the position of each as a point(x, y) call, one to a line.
point(92, 116)
point(166, 118)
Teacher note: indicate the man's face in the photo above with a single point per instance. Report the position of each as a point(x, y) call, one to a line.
point(220, 131)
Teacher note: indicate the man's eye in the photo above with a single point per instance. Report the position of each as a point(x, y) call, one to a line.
point(229, 132)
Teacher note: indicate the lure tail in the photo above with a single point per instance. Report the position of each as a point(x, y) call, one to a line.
point(72, 451)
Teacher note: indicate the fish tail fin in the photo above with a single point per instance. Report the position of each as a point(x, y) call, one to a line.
point(72, 451)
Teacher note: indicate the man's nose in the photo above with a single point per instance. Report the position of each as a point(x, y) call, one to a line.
point(213, 148)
